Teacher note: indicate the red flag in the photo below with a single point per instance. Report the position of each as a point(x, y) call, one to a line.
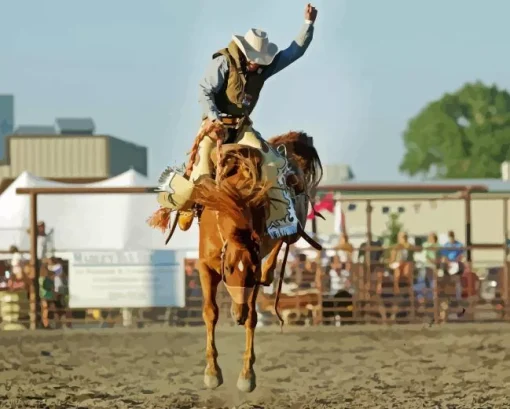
point(326, 203)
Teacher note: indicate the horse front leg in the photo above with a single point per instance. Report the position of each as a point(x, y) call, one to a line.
point(267, 276)
point(210, 312)
point(247, 379)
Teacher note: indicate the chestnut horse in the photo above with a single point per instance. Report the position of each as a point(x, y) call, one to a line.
point(233, 241)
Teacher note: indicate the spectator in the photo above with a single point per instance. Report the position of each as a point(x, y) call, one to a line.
point(375, 255)
point(337, 306)
point(17, 280)
point(193, 294)
point(60, 292)
point(4, 277)
point(452, 250)
point(431, 251)
point(308, 275)
point(425, 280)
point(452, 255)
point(18, 262)
point(344, 251)
point(47, 288)
point(45, 248)
point(376, 266)
point(338, 278)
point(297, 270)
point(401, 261)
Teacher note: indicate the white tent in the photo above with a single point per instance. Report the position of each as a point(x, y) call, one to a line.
point(88, 222)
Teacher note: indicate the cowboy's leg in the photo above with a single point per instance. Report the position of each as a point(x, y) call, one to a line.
point(250, 137)
point(201, 168)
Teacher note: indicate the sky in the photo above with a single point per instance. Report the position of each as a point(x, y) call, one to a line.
point(133, 66)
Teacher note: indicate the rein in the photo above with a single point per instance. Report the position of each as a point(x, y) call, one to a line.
point(223, 249)
point(215, 131)
point(172, 226)
point(279, 288)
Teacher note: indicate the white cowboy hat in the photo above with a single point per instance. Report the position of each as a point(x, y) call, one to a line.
point(256, 46)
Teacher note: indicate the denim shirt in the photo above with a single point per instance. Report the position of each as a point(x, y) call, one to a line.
point(217, 71)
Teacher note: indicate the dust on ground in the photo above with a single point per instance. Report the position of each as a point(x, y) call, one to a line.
point(418, 366)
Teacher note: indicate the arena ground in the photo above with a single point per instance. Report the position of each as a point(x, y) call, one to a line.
point(423, 366)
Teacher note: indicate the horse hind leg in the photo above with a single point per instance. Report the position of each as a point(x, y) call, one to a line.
point(209, 281)
point(247, 381)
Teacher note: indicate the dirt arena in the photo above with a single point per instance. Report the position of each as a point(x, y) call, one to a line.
point(453, 366)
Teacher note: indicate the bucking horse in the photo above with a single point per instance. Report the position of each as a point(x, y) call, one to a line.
point(233, 234)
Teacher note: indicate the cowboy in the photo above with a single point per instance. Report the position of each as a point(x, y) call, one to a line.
point(228, 94)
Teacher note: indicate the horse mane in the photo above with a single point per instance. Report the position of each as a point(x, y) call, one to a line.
point(303, 153)
point(240, 189)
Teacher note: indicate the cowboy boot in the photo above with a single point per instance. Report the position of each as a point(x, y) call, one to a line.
point(201, 168)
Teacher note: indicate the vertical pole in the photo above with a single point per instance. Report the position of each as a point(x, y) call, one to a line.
point(314, 220)
point(368, 258)
point(436, 295)
point(467, 206)
point(35, 318)
point(505, 283)
point(367, 276)
point(318, 283)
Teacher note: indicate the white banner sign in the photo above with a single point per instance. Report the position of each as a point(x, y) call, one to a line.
point(130, 279)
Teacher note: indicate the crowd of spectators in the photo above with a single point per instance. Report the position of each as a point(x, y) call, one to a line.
point(389, 274)
point(17, 276)
point(373, 268)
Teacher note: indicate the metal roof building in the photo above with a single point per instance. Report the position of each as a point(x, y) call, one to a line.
point(68, 151)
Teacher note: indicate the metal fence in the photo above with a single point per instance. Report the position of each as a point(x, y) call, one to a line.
point(363, 293)
point(370, 297)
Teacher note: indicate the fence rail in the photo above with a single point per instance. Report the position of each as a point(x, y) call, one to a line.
point(365, 295)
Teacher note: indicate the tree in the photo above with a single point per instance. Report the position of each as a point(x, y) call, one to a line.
point(462, 135)
point(390, 235)
point(393, 228)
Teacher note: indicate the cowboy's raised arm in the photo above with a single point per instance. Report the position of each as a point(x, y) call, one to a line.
point(297, 48)
point(210, 84)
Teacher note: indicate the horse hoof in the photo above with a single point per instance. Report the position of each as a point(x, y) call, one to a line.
point(246, 385)
point(212, 381)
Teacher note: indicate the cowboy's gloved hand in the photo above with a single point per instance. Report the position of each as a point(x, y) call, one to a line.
point(218, 128)
point(310, 13)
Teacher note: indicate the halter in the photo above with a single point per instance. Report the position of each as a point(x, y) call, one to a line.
point(223, 250)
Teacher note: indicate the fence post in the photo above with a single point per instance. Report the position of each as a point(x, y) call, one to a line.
point(367, 272)
point(35, 316)
point(318, 283)
point(467, 207)
point(505, 295)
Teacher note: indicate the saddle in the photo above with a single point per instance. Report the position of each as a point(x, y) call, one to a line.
point(236, 149)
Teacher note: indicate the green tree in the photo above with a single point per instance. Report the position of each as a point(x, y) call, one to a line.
point(390, 235)
point(462, 135)
point(393, 228)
